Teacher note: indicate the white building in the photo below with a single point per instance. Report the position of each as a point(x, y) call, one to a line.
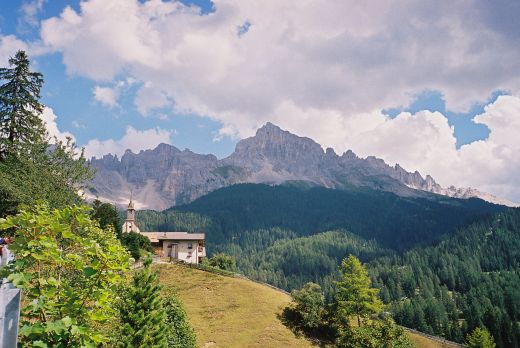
point(129, 224)
point(182, 246)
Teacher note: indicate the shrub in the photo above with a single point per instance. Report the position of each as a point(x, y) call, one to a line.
point(69, 270)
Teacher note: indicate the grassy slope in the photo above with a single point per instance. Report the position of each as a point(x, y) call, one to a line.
point(423, 342)
point(233, 312)
point(230, 312)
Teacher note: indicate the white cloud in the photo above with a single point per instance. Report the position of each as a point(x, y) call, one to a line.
point(30, 11)
point(424, 141)
point(78, 124)
point(351, 57)
point(49, 118)
point(320, 69)
point(134, 140)
point(148, 97)
point(8, 46)
point(106, 95)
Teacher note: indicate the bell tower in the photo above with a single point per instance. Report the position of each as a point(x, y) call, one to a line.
point(129, 224)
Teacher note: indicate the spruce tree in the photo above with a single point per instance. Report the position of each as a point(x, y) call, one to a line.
point(143, 319)
point(20, 109)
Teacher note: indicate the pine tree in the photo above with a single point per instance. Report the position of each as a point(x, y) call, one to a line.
point(20, 109)
point(354, 295)
point(180, 333)
point(143, 319)
point(480, 338)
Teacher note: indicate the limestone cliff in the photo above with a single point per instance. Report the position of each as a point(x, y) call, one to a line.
point(167, 176)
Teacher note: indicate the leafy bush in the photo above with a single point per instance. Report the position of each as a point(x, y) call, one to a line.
point(69, 270)
point(135, 242)
point(223, 261)
point(309, 305)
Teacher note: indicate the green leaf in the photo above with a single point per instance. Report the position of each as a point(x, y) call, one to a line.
point(67, 321)
point(89, 271)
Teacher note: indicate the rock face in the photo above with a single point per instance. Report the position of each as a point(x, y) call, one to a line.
point(166, 176)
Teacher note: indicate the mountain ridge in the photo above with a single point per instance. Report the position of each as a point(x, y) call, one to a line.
point(166, 176)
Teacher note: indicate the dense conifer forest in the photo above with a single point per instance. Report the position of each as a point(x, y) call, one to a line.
point(469, 280)
point(395, 222)
point(443, 266)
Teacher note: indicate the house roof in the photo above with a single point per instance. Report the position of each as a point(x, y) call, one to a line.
point(156, 236)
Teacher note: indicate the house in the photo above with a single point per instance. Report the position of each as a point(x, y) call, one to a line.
point(182, 246)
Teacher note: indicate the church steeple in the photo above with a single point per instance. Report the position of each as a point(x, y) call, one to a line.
point(130, 211)
point(129, 224)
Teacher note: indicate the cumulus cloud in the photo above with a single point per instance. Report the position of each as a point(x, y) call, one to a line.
point(106, 95)
point(349, 56)
point(425, 141)
point(49, 117)
point(134, 140)
point(320, 69)
point(8, 46)
point(148, 97)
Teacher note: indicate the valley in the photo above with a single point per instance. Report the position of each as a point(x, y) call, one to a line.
point(420, 252)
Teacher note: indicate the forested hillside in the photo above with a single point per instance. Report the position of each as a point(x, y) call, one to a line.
point(469, 280)
point(288, 235)
point(435, 279)
point(394, 222)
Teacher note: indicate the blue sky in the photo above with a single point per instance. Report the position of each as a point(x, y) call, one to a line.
point(71, 96)
point(430, 86)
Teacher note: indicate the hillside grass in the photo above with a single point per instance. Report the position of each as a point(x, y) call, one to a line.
point(424, 342)
point(230, 312)
point(234, 312)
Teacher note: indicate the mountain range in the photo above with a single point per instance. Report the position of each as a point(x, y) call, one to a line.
point(166, 176)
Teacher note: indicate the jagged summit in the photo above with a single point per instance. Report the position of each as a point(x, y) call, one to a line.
point(166, 176)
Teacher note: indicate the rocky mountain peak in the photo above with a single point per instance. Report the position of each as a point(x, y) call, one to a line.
point(167, 176)
point(330, 152)
point(349, 154)
point(268, 129)
point(277, 146)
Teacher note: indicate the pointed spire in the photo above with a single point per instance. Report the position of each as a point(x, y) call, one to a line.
point(131, 204)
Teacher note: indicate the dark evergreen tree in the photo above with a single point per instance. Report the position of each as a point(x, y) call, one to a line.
point(468, 280)
point(107, 216)
point(143, 318)
point(20, 109)
point(30, 168)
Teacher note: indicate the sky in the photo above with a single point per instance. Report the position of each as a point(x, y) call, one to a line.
point(433, 86)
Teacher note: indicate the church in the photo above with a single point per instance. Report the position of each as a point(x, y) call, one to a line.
point(182, 246)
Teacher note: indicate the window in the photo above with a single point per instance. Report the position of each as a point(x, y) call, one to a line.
point(190, 245)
